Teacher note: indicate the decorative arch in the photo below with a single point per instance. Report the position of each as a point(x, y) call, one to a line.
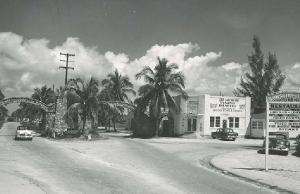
point(47, 108)
point(121, 104)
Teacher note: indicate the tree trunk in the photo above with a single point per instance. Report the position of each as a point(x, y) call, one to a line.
point(157, 127)
point(83, 124)
point(114, 124)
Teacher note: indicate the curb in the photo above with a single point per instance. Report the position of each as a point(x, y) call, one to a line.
point(247, 179)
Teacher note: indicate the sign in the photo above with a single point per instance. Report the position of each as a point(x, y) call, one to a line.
point(283, 113)
point(228, 105)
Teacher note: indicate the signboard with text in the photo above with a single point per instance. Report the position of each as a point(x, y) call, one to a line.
point(228, 105)
point(283, 113)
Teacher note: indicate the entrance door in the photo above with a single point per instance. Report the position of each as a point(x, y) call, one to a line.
point(224, 124)
point(194, 124)
point(189, 124)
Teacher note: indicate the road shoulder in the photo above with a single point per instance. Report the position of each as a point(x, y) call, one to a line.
point(284, 173)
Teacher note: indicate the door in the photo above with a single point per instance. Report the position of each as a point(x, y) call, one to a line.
point(224, 125)
point(194, 124)
point(189, 124)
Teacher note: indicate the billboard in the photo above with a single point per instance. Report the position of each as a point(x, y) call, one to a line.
point(283, 113)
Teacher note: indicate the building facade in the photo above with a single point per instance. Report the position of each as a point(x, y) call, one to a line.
point(204, 114)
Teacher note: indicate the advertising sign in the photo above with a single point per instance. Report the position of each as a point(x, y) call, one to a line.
point(283, 113)
point(228, 105)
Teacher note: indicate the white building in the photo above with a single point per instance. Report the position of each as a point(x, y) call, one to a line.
point(204, 114)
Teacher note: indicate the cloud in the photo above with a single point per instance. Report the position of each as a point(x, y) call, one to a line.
point(231, 66)
point(292, 81)
point(29, 63)
point(296, 66)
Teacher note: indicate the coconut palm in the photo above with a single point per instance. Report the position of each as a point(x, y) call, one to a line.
point(119, 86)
point(116, 88)
point(156, 92)
point(45, 95)
point(83, 97)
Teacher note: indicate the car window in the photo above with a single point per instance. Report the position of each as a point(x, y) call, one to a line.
point(277, 136)
point(22, 128)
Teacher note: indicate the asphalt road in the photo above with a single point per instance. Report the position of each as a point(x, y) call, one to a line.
point(55, 170)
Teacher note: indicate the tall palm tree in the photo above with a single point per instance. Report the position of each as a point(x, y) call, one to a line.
point(117, 88)
point(165, 78)
point(84, 97)
point(45, 95)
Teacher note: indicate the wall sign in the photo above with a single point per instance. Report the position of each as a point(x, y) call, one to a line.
point(227, 104)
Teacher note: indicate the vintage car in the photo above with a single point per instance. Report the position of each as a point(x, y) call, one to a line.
point(278, 142)
point(224, 133)
point(23, 132)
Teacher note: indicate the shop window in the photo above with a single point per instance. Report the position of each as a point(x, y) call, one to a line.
point(254, 125)
point(212, 122)
point(257, 125)
point(260, 124)
point(236, 122)
point(218, 121)
point(215, 122)
point(230, 122)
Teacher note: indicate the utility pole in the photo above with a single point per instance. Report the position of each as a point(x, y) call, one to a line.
point(67, 65)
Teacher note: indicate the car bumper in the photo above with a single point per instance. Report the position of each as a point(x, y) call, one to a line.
point(23, 137)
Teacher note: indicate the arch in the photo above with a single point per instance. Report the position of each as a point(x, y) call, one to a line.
point(45, 107)
point(121, 104)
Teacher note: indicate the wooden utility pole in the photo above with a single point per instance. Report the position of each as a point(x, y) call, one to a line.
point(67, 65)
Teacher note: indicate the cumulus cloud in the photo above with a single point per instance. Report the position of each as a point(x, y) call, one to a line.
point(29, 63)
point(292, 81)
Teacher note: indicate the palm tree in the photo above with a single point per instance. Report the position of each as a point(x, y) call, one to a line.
point(84, 99)
point(156, 93)
point(116, 88)
point(45, 95)
point(119, 86)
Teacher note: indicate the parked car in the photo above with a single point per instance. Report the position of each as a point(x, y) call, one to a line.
point(224, 133)
point(23, 132)
point(278, 142)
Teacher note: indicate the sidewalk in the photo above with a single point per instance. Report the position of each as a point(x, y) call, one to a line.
point(284, 171)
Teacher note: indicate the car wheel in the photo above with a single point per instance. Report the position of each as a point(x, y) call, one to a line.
point(16, 138)
point(286, 153)
point(213, 137)
point(233, 139)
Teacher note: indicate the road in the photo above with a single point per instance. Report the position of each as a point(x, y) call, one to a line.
point(120, 166)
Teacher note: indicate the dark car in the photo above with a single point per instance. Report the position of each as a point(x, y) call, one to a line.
point(278, 142)
point(224, 133)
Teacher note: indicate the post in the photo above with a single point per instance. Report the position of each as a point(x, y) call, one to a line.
point(267, 138)
point(67, 65)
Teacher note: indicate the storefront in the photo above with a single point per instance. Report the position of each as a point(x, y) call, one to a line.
point(204, 114)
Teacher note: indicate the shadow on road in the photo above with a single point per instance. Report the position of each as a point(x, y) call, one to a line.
point(262, 169)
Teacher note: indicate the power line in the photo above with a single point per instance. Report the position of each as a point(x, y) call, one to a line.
point(67, 65)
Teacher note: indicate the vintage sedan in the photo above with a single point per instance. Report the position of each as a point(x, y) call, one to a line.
point(23, 133)
point(224, 133)
point(278, 142)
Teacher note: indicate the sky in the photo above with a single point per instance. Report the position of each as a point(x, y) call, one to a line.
point(208, 39)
